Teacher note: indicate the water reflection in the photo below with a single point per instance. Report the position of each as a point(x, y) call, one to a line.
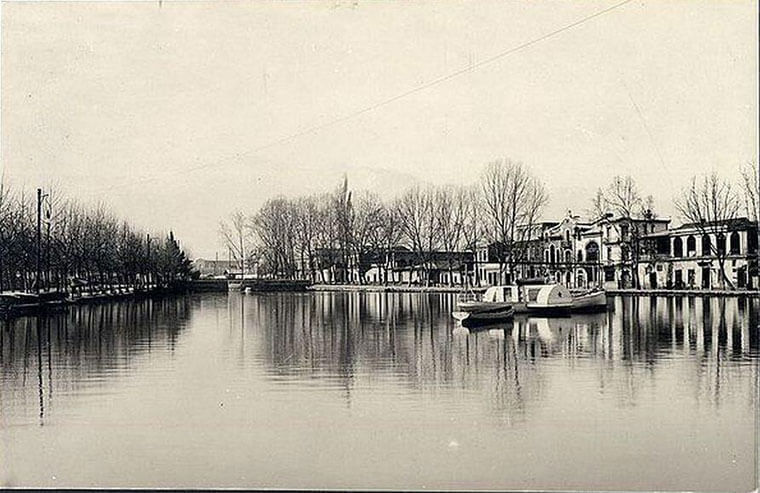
point(90, 345)
point(379, 390)
point(412, 339)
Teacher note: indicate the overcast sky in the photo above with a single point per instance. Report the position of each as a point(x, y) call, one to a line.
point(172, 114)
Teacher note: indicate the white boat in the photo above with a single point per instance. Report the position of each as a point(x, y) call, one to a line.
point(548, 298)
point(522, 298)
point(590, 300)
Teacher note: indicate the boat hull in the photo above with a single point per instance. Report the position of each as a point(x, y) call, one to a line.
point(590, 302)
point(484, 313)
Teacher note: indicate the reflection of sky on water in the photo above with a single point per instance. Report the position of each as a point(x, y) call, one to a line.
point(658, 376)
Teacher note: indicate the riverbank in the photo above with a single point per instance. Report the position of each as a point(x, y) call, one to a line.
point(683, 292)
point(374, 288)
point(17, 303)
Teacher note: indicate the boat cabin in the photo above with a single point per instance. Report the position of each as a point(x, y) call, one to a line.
point(538, 294)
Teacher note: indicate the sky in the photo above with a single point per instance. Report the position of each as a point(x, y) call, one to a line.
point(176, 114)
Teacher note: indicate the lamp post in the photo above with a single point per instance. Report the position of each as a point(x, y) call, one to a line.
point(40, 197)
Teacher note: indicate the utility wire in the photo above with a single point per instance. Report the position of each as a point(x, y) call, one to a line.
point(372, 107)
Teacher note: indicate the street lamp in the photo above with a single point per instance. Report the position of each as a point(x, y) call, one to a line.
point(40, 198)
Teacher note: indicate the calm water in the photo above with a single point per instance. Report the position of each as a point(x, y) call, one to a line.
point(380, 391)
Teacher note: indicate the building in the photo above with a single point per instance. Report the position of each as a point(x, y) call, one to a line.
point(211, 268)
point(492, 259)
point(689, 257)
point(403, 266)
point(621, 247)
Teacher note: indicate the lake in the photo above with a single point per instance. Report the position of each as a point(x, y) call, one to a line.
point(380, 390)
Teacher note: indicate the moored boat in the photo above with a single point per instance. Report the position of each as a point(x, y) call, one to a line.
point(482, 312)
point(548, 298)
point(590, 301)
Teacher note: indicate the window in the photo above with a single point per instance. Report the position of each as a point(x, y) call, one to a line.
point(706, 245)
point(663, 245)
point(735, 244)
point(720, 243)
point(592, 252)
point(568, 256)
point(533, 294)
point(691, 246)
point(580, 255)
point(678, 248)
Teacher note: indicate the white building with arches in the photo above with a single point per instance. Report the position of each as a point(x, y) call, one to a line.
point(688, 257)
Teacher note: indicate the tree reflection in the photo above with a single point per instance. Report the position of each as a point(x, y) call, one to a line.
point(349, 339)
point(86, 341)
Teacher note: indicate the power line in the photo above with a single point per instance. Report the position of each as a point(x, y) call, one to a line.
point(385, 102)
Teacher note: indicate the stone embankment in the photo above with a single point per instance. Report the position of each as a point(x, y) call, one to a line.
point(683, 292)
point(395, 288)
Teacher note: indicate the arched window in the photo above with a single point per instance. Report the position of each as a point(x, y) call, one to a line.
point(735, 244)
point(568, 256)
point(706, 245)
point(580, 255)
point(567, 235)
point(720, 242)
point(552, 254)
point(691, 246)
point(546, 256)
point(592, 252)
point(678, 247)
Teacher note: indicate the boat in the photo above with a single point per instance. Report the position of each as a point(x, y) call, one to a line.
point(235, 282)
point(479, 311)
point(524, 297)
point(592, 300)
point(496, 304)
point(548, 298)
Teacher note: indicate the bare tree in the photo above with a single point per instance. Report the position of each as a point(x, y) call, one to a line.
point(751, 189)
point(367, 235)
point(472, 227)
point(513, 200)
point(390, 235)
point(235, 236)
point(633, 212)
point(451, 208)
point(416, 212)
point(712, 206)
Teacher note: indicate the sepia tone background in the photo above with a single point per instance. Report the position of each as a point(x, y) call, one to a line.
point(176, 113)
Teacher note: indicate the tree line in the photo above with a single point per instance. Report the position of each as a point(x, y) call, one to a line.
point(328, 236)
point(79, 246)
point(335, 232)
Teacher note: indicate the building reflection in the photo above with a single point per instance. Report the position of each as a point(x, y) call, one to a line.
point(350, 339)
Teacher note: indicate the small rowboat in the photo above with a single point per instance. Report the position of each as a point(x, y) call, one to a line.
point(589, 301)
point(480, 311)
